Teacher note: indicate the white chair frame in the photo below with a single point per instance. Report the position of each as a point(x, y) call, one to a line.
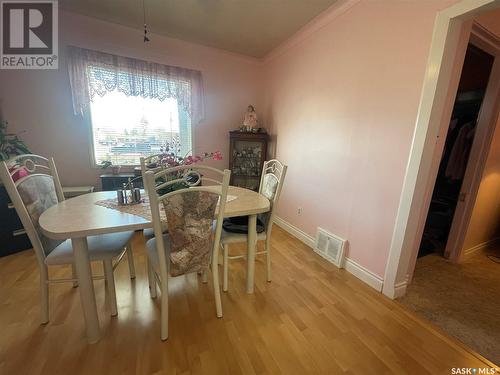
point(144, 161)
point(161, 279)
point(278, 170)
point(144, 166)
point(41, 165)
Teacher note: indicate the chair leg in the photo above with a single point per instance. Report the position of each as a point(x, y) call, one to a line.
point(164, 310)
point(130, 258)
point(225, 280)
point(151, 280)
point(108, 273)
point(268, 257)
point(73, 275)
point(44, 295)
point(215, 275)
point(204, 276)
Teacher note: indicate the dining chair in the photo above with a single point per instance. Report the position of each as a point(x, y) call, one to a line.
point(194, 229)
point(271, 183)
point(149, 163)
point(33, 186)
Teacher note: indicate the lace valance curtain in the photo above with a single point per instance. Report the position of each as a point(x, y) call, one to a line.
point(94, 73)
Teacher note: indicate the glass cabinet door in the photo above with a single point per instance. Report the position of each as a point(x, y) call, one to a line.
point(247, 161)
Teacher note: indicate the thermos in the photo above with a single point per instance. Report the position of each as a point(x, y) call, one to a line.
point(121, 197)
point(136, 195)
point(122, 194)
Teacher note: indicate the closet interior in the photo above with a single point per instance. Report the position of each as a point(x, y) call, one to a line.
point(446, 193)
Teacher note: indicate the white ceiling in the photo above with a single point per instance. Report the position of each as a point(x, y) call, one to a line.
point(249, 27)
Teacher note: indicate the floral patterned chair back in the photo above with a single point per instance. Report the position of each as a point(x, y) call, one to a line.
point(38, 193)
point(271, 183)
point(190, 214)
point(33, 186)
point(190, 217)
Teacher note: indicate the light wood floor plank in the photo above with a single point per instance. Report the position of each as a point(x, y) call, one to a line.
point(312, 319)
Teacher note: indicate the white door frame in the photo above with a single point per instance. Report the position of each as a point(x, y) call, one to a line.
point(479, 151)
point(449, 42)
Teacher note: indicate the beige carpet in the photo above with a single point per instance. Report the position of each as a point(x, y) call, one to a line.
point(462, 299)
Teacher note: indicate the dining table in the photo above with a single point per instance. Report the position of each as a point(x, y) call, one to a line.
point(82, 216)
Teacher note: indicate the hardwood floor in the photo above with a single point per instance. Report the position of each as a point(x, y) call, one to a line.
point(312, 319)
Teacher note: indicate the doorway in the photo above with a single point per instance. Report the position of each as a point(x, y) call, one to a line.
point(459, 294)
point(453, 30)
point(446, 194)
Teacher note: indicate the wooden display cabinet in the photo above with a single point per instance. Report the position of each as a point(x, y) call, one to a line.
point(13, 237)
point(247, 153)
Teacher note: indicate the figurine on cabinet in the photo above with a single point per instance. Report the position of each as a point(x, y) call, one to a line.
point(250, 123)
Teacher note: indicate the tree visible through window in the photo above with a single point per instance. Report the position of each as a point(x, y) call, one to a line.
point(124, 128)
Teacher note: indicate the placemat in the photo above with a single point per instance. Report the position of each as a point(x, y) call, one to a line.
point(141, 209)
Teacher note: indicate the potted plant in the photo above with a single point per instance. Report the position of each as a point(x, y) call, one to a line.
point(10, 144)
point(115, 169)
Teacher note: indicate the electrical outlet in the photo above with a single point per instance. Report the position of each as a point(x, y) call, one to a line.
point(299, 211)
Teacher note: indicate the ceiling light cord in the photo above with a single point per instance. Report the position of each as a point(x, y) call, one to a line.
point(146, 39)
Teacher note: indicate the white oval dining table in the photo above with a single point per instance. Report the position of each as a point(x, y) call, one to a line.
point(80, 217)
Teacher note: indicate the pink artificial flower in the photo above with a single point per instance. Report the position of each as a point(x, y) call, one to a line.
point(168, 161)
point(217, 155)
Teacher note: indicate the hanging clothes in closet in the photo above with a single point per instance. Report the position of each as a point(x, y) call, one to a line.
point(459, 156)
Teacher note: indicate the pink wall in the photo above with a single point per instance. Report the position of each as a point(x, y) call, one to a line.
point(343, 103)
point(39, 102)
point(340, 101)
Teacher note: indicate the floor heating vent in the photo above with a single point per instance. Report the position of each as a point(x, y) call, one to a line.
point(330, 247)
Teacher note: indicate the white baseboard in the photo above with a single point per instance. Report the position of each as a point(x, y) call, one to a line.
point(375, 281)
point(396, 291)
point(294, 231)
point(365, 275)
point(400, 289)
point(481, 246)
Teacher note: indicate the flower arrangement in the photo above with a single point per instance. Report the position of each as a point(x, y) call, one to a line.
point(171, 159)
point(10, 144)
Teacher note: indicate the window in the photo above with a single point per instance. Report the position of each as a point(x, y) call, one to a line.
point(137, 108)
point(124, 128)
